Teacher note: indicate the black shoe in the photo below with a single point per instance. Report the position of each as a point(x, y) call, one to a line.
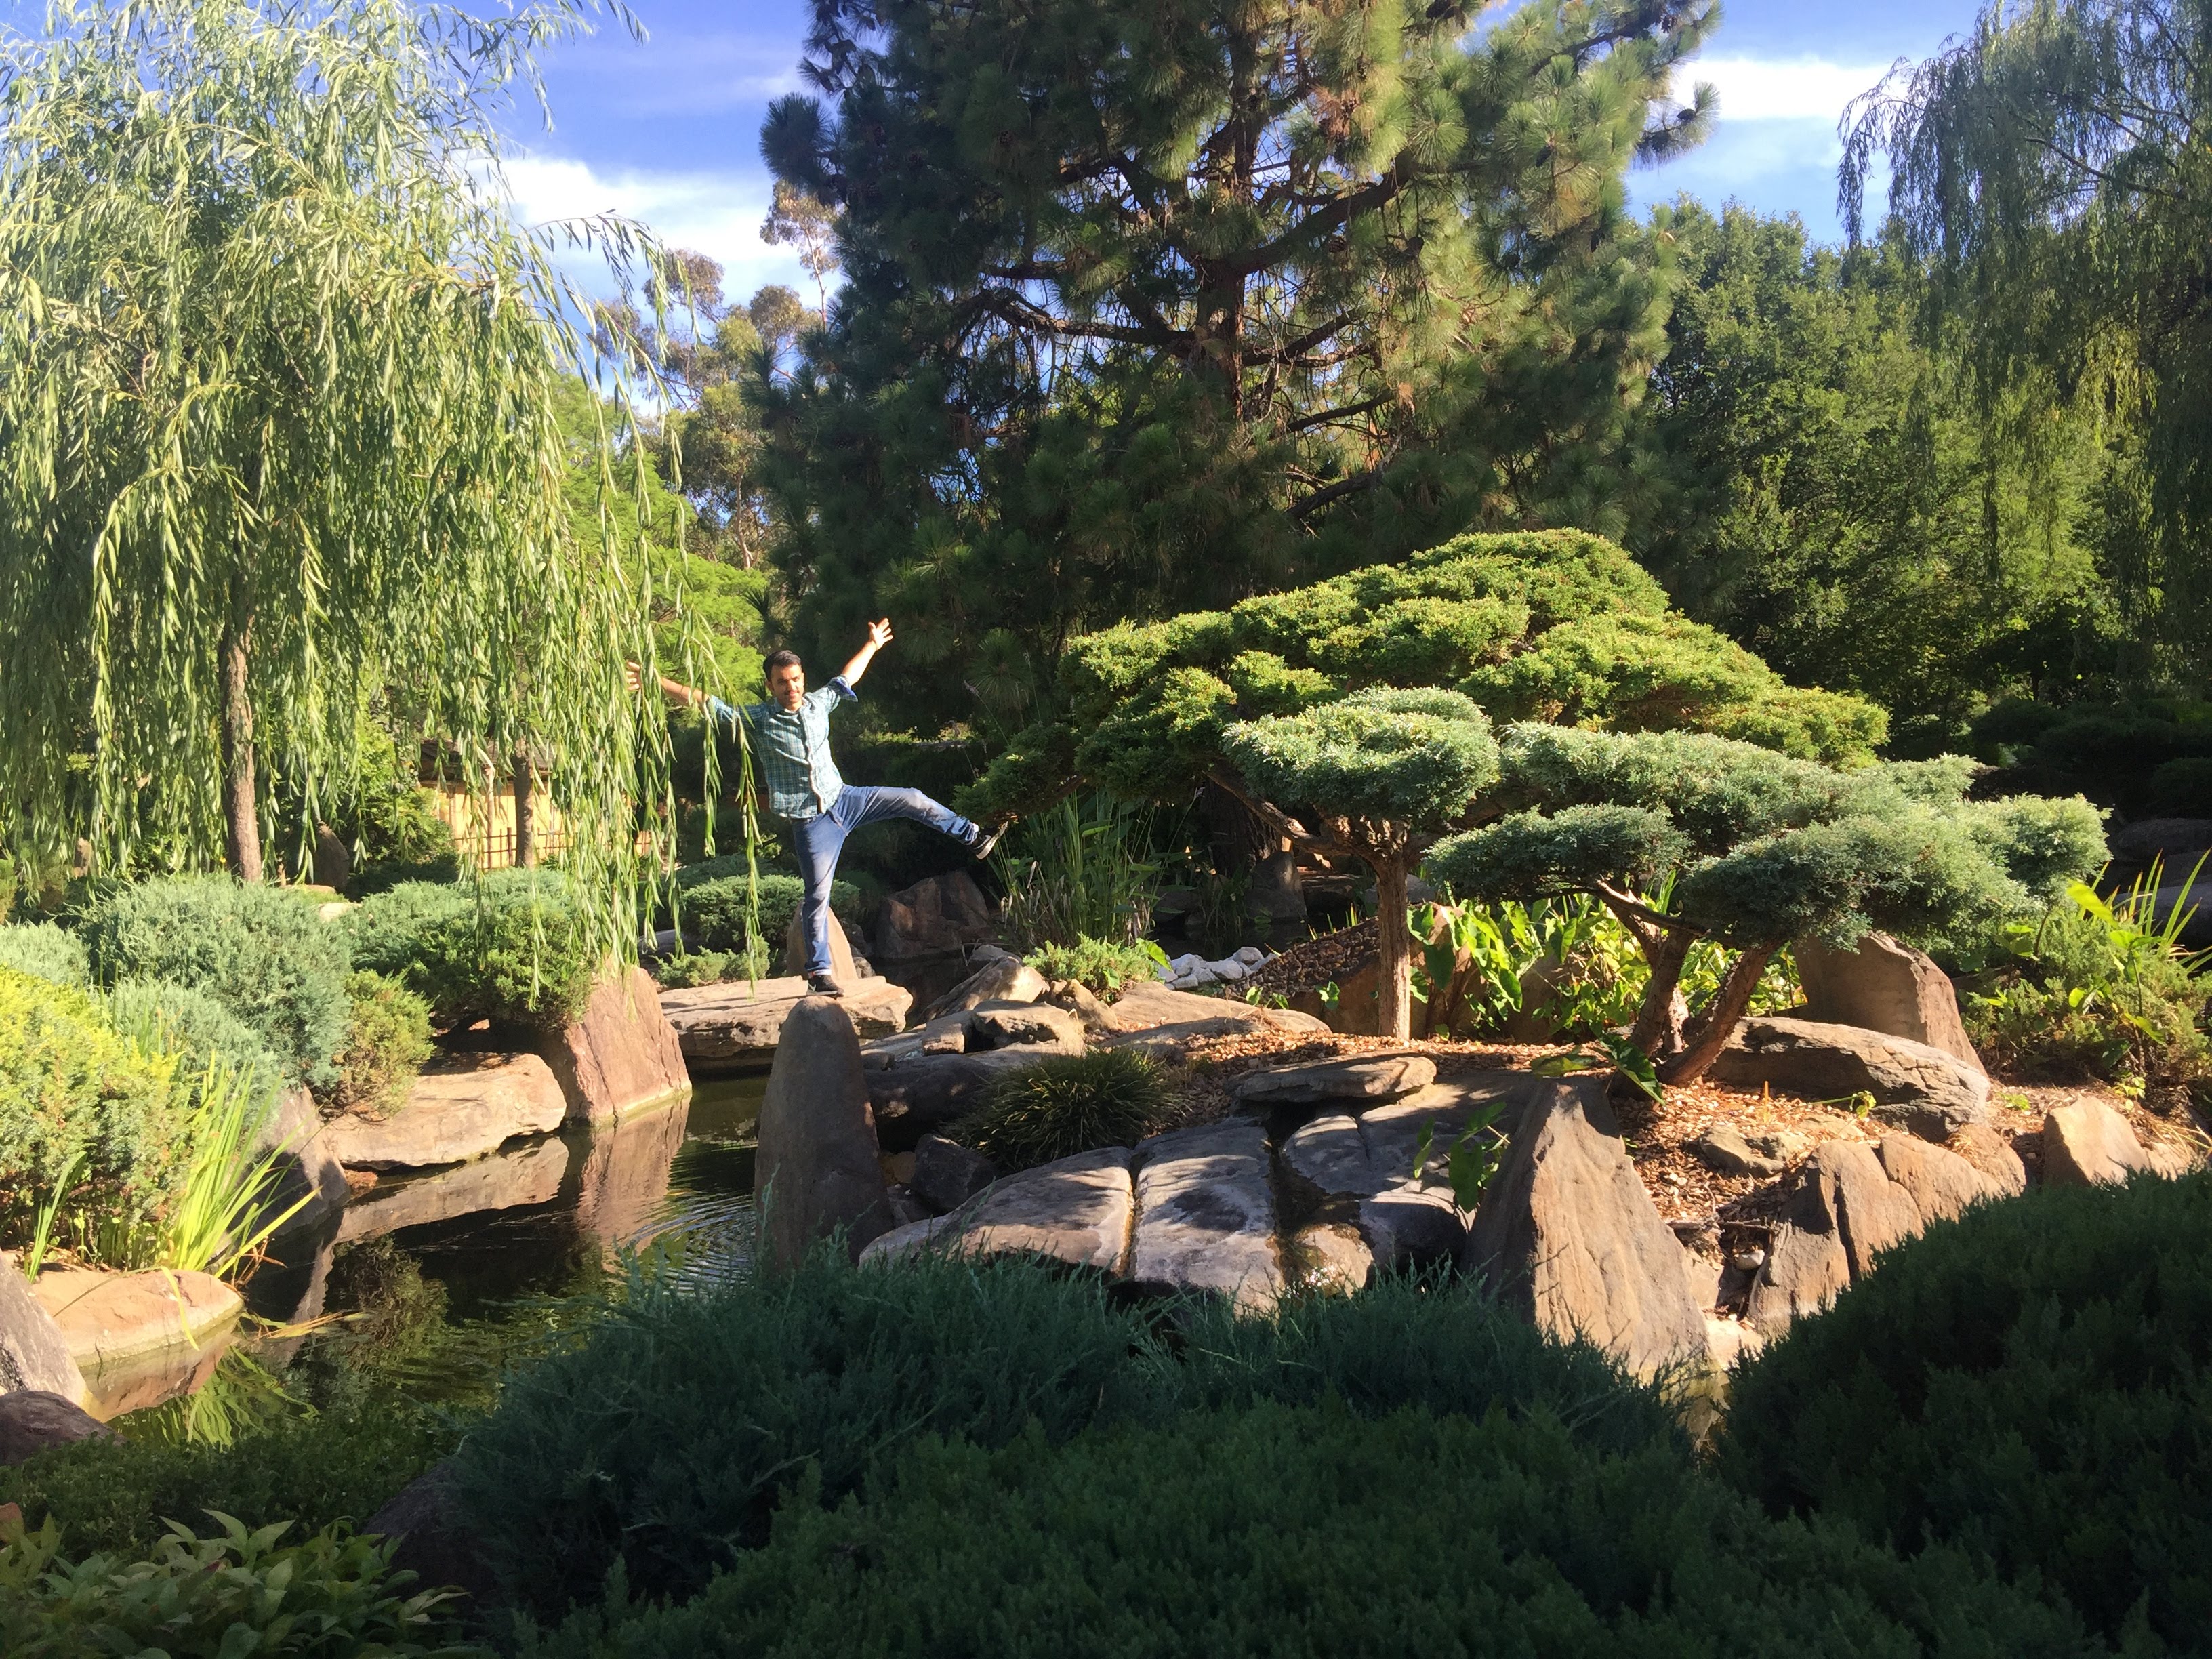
point(982, 847)
point(823, 985)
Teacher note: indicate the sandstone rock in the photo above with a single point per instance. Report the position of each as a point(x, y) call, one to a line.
point(1806, 1269)
point(1723, 1148)
point(947, 1034)
point(734, 1023)
point(1940, 1183)
point(1149, 1015)
point(620, 1054)
point(1024, 1024)
point(333, 862)
point(1701, 1273)
point(1076, 997)
point(1331, 1255)
point(1340, 1156)
point(919, 1096)
point(2088, 1143)
point(34, 1355)
point(1924, 1089)
point(1077, 1210)
point(1990, 1153)
point(908, 1239)
point(939, 914)
point(307, 1167)
point(1568, 1235)
point(509, 1179)
point(817, 1168)
point(842, 963)
point(1883, 986)
point(139, 1338)
point(946, 1174)
point(1728, 1340)
point(1002, 979)
point(461, 1107)
point(2176, 843)
point(1206, 1214)
point(32, 1421)
point(1864, 1206)
point(1415, 1224)
point(1362, 1077)
point(905, 1209)
point(1787, 1144)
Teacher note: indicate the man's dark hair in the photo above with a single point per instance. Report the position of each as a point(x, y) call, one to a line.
point(778, 660)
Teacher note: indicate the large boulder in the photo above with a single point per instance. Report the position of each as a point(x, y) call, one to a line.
point(1569, 1237)
point(432, 1535)
point(1077, 1210)
point(1037, 1025)
point(621, 1054)
point(1352, 1077)
point(1940, 1182)
point(1859, 1201)
point(934, 916)
point(1000, 979)
point(817, 1166)
point(1883, 986)
point(140, 1339)
point(736, 1023)
point(461, 1107)
point(1206, 1214)
point(308, 1172)
point(2087, 1144)
point(1148, 1015)
point(1992, 1155)
point(511, 1178)
point(34, 1353)
point(1925, 1089)
point(32, 1421)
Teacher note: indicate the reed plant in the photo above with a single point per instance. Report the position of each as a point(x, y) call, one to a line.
point(1080, 870)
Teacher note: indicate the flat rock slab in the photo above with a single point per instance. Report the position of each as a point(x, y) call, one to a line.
point(1004, 978)
point(946, 1035)
point(621, 1055)
point(1206, 1215)
point(993, 1025)
point(1077, 1210)
point(1924, 1089)
point(1347, 1156)
point(509, 1179)
point(140, 1338)
point(460, 1108)
point(1151, 1015)
point(34, 1352)
point(1355, 1078)
point(2087, 1144)
point(737, 1021)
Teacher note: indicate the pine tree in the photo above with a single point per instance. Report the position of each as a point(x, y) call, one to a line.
point(1158, 303)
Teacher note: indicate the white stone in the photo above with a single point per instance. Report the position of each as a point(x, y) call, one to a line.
point(1179, 966)
point(1228, 968)
point(1251, 956)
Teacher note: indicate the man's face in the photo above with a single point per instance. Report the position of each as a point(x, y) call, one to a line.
point(787, 685)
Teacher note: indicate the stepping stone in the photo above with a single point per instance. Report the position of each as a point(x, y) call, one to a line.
point(1206, 1214)
point(721, 1026)
point(460, 1108)
point(1076, 1210)
point(1362, 1077)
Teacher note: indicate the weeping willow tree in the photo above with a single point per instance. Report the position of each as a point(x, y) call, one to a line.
point(280, 377)
point(2054, 171)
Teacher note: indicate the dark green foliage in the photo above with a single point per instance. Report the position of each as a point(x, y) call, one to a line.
point(162, 1016)
point(77, 1100)
point(229, 1591)
point(2147, 758)
point(1312, 1531)
point(438, 870)
point(664, 1435)
point(510, 947)
point(260, 951)
point(45, 952)
point(2031, 1383)
point(711, 903)
point(1413, 755)
point(1068, 1103)
point(388, 1040)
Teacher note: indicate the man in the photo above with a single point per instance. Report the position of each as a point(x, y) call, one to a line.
point(791, 735)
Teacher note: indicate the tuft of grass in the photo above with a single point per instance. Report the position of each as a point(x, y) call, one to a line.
point(1065, 1104)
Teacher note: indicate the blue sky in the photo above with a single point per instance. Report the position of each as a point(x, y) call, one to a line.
point(668, 131)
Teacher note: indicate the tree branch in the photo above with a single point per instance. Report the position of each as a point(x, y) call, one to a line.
point(1275, 818)
point(1336, 492)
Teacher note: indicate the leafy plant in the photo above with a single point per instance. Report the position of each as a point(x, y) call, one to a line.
point(712, 967)
point(1101, 966)
point(1472, 1160)
point(1079, 870)
point(223, 1211)
point(1065, 1105)
point(232, 1592)
point(511, 947)
point(387, 1040)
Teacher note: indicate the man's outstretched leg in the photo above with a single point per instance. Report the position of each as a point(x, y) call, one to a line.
point(861, 804)
point(816, 842)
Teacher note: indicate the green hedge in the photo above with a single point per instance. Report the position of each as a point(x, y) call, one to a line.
point(79, 1102)
point(1282, 1532)
point(509, 947)
point(711, 898)
point(387, 1040)
point(45, 952)
point(160, 1016)
point(2032, 1383)
point(260, 951)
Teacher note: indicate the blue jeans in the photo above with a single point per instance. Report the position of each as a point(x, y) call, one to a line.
point(817, 840)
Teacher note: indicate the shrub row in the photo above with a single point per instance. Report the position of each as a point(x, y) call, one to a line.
point(510, 948)
point(711, 895)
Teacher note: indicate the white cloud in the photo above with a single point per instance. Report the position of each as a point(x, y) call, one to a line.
point(1773, 89)
point(716, 214)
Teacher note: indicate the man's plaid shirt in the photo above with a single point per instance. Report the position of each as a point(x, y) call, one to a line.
point(793, 746)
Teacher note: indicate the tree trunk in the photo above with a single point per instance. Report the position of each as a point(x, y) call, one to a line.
point(242, 821)
point(1393, 977)
point(526, 812)
point(1658, 1028)
point(1713, 1028)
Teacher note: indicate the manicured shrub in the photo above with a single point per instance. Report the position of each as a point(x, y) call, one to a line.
point(2032, 1383)
point(1311, 1531)
point(1101, 966)
point(160, 1016)
point(261, 952)
point(234, 1591)
point(45, 952)
point(1068, 1103)
point(711, 898)
point(509, 948)
point(664, 1434)
point(80, 1107)
point(388, 1040)
point(438, 870)
point(713, 967)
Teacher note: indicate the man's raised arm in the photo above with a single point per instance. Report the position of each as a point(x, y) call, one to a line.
point(879, 635)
